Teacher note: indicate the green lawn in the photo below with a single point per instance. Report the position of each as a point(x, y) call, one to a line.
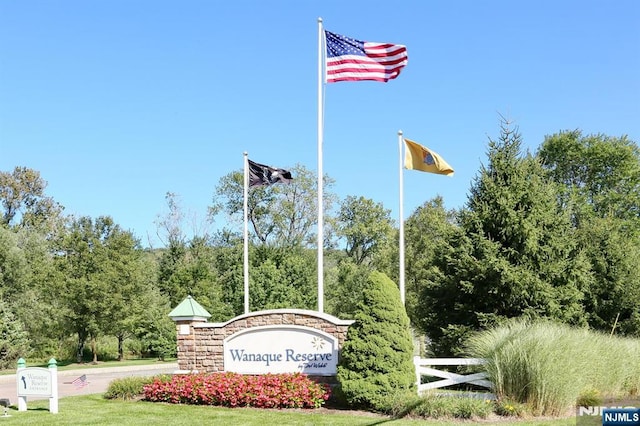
point(95, 410)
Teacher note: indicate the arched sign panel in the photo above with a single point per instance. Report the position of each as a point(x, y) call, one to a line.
point(34, 381)
point(281, 349)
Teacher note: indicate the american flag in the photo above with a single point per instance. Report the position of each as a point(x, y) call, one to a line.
point(80, 382)
point(349, 59)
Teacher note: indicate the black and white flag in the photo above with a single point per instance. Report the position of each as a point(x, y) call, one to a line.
point(260, 175)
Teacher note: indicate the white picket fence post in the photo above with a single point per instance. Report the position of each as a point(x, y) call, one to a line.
point(424, 367)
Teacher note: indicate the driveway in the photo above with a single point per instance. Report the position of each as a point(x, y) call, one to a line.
point(97, 379)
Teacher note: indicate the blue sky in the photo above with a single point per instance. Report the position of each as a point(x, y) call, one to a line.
point(118, 102)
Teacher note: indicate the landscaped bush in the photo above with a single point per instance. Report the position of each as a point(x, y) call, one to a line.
point(289, 390)
point(434, 406)
point(377, 357)
point(128, 388)
point(550, 366)
point(508, 408)
point(590, 398)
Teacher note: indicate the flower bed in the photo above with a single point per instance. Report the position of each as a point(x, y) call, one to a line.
point(293, 390)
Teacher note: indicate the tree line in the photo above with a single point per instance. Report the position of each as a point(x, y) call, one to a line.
point(550, 234)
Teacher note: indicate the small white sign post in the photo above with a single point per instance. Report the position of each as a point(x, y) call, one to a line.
point(37, 381)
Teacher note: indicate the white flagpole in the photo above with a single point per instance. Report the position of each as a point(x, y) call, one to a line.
point(246, 233)
point(320, 173)
point(401, 238)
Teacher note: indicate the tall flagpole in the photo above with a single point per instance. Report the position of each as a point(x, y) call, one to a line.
point(246, 233)
point(320, 173)
point(401, 210)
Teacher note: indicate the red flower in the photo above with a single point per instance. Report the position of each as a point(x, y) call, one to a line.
point(235, 390)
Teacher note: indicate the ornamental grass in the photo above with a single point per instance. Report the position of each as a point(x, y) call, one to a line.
point(548, 366)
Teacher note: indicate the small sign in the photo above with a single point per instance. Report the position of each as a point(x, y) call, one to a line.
point(281, 349)
point(34, 381)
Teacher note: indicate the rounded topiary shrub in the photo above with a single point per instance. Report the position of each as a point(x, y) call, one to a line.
point(376, 361)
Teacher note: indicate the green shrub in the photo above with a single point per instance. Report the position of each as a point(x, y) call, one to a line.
point(376, 359)
point(589, 398)
point(469, 408)
point(436, 407)
point(400, 404)
point(106, 348)
point(128, 388)
point(509, 408)
point(433, 407)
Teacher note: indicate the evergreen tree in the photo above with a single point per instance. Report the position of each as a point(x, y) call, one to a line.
point(376, 361)
point(514, 255)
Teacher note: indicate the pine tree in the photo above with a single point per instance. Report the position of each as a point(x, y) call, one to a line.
point(514, 255)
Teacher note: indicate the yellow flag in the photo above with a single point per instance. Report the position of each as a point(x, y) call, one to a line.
point(417, 157)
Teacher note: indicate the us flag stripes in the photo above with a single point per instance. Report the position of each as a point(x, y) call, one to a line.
point(348, 59)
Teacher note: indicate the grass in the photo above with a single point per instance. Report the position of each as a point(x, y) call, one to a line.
point(95, 410)
point(549, 366)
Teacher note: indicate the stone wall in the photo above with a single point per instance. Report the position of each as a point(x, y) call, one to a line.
point(200, 344)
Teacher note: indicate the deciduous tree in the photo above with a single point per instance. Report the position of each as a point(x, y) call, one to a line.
point(600, 181)
point(24, 202)
point(103, 279)
point(366, 227)
point(282, 215)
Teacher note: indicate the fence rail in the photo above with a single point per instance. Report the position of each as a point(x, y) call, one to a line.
point(424, 368)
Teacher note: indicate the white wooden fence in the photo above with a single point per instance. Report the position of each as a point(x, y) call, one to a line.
point(424, 368)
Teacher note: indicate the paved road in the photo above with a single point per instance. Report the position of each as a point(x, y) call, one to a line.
point(98, 379)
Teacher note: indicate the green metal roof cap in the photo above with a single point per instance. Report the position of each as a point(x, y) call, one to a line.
point(189, 308)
